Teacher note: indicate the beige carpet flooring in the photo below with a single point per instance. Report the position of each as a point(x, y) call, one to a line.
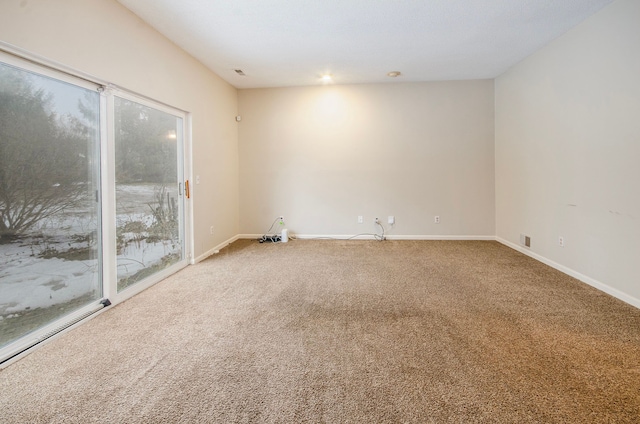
point(344, 332)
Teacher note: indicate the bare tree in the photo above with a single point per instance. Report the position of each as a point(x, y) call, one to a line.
point(43, 157)
point(144, 153)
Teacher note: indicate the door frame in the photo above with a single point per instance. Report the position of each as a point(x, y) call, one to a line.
point(184, 169)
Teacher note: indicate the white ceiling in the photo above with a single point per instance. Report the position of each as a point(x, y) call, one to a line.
point(293, 42)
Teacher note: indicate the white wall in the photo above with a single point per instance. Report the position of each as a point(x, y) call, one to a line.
point(568, 150)
point(104, 39)
point(323, 155)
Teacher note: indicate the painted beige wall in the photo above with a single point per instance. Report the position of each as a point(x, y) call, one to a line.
point(323, 155)
point(104, 39)
point(567, 139)
point(568, 150)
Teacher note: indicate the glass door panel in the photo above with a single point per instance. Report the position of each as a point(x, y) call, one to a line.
point(149, 201)
point(49, 200)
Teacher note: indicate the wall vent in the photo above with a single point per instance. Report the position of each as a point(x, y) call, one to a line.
point(525, 240)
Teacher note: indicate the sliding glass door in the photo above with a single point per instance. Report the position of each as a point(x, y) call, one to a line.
point(92, 199)
point(49, 200)
point(149, 190)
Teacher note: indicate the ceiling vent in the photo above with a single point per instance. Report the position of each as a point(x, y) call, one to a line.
point(240, 72)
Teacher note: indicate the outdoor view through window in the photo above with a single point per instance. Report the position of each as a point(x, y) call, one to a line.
point(51, 232)
point(49, 203)
point(147, 206)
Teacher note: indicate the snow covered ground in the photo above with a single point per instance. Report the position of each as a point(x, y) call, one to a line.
point(28, 280)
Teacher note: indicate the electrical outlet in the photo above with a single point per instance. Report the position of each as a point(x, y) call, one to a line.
point(391, 220)
point(360, 219)
point(436, 219)
point(211, 230)
point(561, 241)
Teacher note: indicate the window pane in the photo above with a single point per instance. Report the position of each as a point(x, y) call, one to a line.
point(49, 208)
point(148, 204)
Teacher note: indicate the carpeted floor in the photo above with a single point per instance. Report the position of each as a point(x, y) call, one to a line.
point(344, 332)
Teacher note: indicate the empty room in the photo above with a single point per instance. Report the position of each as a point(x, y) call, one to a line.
point(319, 211)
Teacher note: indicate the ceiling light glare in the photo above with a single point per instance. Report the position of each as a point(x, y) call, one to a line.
point(394, 74)
point(326, 78)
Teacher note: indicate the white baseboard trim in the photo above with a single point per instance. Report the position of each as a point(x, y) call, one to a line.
point(214, 250)
point(333, 236)
point(372, 237)
point(438, 237)
point(249, 236)
point(575, 274)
